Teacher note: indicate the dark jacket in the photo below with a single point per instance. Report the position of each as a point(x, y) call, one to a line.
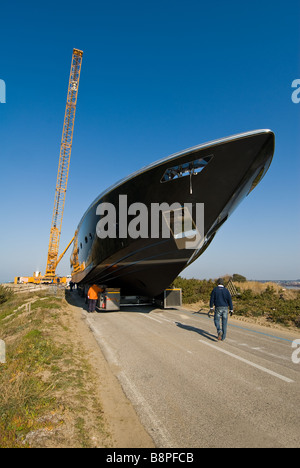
point(220, 297)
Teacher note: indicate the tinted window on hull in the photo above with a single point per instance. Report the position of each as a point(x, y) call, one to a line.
point(182, 170)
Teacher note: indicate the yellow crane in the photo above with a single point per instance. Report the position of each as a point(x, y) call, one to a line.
point(62, 176)
point(64, 164)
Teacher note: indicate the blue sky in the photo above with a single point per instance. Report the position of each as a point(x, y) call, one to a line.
point(157, 77)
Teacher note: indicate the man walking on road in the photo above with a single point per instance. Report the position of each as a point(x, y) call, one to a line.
point(221, 299)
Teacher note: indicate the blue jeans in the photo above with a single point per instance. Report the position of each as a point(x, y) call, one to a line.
point(221, 313)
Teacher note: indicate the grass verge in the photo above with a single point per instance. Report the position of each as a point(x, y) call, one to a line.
point(47, 384)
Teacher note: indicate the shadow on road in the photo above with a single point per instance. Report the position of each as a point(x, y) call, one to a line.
point(75, 298)
point(201, 332)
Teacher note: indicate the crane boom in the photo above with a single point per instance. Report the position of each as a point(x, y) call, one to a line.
point(64, 163)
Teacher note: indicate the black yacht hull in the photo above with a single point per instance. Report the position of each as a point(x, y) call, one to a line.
point(218, 175)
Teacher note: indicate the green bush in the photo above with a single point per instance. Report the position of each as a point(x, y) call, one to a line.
point(238, 278)
point(268, 304)
point(5, 294)
point(194, 290)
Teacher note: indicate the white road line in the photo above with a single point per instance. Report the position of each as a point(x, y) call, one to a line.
point(144, 408)
point(151, 318)
point(262, 350)
point(250, 363)
point(164, 319)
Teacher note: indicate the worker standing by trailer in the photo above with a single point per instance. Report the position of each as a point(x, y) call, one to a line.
point(93, 293)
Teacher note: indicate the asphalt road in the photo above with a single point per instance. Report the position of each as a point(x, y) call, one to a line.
point(191, 390)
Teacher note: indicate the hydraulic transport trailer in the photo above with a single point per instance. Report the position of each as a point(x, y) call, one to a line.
point(111, 299)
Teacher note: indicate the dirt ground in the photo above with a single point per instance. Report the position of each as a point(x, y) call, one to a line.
point(121, 420)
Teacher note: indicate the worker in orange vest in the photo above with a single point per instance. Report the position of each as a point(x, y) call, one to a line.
point(93, 293)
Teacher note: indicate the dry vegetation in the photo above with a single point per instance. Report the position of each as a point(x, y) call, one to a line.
point(254, 300)
point(46, 385)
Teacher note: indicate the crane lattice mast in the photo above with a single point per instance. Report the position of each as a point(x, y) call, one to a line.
point(64, 163)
